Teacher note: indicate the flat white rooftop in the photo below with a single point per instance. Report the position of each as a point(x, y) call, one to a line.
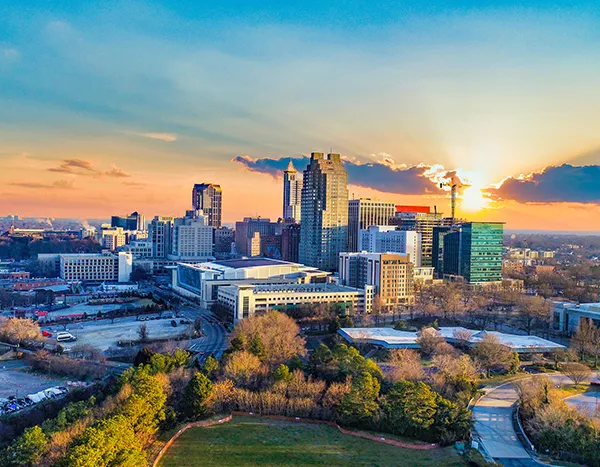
point(391, 339)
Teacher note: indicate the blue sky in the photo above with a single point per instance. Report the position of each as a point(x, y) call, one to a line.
point(170, 92)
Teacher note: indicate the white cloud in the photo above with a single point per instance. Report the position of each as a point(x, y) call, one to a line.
point(167, 137)
point(10, 53)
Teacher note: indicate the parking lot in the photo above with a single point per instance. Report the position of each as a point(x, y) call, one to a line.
point(103, 334)
point(15, 381)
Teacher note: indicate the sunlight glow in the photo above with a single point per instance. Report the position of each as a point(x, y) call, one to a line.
point(472, 199)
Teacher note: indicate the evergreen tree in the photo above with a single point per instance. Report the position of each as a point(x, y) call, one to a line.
point(196, 395)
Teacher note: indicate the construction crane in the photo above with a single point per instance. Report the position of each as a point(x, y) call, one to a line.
point(454, 186)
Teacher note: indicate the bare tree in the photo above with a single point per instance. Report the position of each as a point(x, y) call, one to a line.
point(19, 331)
point(143, 332)
point(490, 353)
point(577, 372)
point(406, 365)
point(428, 340)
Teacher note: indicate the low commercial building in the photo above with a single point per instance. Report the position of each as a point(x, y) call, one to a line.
point(201, 281)
point(91, 267)
point(392, 339)
point(244, 300)
point(568, 315)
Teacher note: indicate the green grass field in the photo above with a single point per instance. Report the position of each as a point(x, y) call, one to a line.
point(247, 441)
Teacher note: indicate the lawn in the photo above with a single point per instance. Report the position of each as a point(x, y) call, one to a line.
point(247, 441)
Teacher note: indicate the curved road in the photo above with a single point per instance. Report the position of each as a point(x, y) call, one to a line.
point(214, 335)
point(493, 424)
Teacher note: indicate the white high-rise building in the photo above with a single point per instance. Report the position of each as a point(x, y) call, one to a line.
point(192, 238)
point(292, 193)
point(385, 238)
point(324, 227)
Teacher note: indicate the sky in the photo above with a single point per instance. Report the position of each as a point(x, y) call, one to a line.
point(115, 106)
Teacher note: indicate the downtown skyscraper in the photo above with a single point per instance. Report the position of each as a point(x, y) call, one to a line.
point(208, 197)
point(324, 212)
point(292, 193)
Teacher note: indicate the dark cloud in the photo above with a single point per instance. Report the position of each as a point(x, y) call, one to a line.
point(385, 176)
point(555, 184)
point(74, 166)
point(61, 184)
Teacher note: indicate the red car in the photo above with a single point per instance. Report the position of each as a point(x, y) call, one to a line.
point(46, 333)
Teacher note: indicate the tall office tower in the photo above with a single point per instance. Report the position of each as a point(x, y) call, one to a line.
point(208, 198)
point(363, 213)
point(292, 193)
point(324, 231)
point(437, 250)
point(391, 274)
point(160, 233)
point(421, 220)
point(192, 238)
point(474, 251)
point(386, 238)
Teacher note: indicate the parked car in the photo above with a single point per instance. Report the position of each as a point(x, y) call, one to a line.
point(65, 337)
point(46, 333)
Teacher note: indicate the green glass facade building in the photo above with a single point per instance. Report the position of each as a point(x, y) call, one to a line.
point(474, 251)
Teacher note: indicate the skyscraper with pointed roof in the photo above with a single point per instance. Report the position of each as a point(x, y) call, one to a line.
point(292, 193)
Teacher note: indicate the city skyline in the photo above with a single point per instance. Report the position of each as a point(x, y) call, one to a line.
point(158, 98)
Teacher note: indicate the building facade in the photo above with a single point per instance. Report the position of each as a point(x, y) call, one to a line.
point(386, 238)
point(390, 274)
point(208, 197)
point(474, 252)
point(292, 193)
point(133, 222)
point(192, 238)
point(324, 213)
point(201, 281)
point(290, 243)
point(246, 300)
point(160, 233)
point(364, 213)
point(419, 219)
point(94, 267)
point(246, 240)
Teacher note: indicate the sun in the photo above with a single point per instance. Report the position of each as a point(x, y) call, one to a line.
point(472, 199)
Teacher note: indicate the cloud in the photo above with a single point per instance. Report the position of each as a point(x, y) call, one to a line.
point(134, 184)
point(58, 184)
point(553, 184)
point(116, 173)
point(382, 176)
point(83, 167)
point(166, 137)
point(75, 166)
point(10, 53)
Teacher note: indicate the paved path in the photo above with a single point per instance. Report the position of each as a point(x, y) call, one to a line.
point(493, 423)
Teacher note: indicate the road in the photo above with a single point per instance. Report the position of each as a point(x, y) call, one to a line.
point(214, 335)
point(493, 424)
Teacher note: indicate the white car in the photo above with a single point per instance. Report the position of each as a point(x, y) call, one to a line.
point(65, 337)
